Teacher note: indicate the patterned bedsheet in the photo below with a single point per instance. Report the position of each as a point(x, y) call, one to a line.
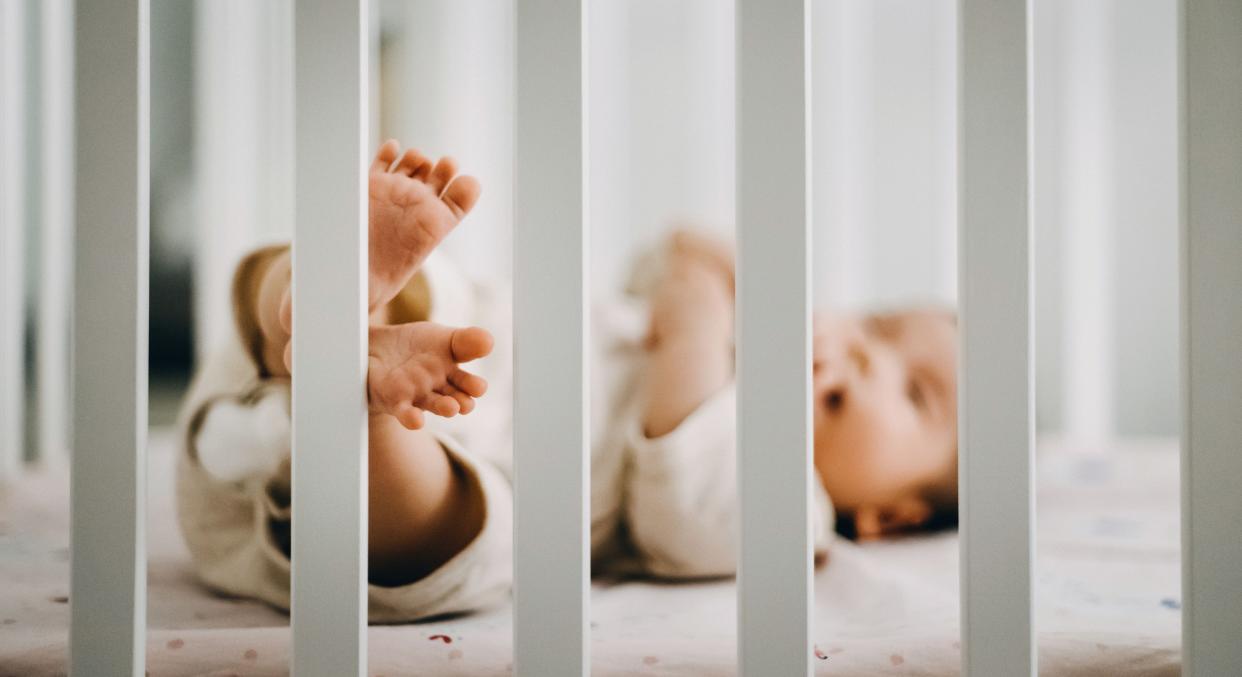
point(1107, 591)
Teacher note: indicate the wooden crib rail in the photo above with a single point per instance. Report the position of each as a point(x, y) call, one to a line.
point(774, 337)
point(1211, 286)
point(328, 612)
point(12, 240)
point(996, 392)
point(551, 565)
point(110, 306)
point(108, 586)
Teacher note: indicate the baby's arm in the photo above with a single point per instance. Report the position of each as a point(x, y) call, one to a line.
point(690, 348)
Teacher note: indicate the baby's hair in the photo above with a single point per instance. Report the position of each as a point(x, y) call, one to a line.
point(942, 497)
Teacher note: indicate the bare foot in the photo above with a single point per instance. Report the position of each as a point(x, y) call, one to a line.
point(413, 368)
point(413, 206)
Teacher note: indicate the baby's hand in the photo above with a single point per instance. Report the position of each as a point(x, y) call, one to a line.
point(695, 296)
point(414, 368)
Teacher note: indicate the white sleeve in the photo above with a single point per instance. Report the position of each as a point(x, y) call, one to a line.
point(682, 502)
point(682, 510)
point(239, 440)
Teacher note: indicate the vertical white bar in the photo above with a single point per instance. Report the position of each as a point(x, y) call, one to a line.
point(550, 248)
point(107, 635)
point(996, 411)
point(56, 245)
point(329, 602)
point(12, 230)
point(774, 337)
point(1211, 93)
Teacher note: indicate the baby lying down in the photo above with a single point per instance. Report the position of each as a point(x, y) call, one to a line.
point(663, 498)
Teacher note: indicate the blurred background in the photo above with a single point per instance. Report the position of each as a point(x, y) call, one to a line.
point(662, 149)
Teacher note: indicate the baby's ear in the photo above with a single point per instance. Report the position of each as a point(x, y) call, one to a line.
point(872, 521)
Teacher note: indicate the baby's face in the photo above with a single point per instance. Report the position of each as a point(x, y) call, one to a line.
point(885, 406)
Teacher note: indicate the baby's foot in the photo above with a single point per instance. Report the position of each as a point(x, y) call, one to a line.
point(413, 206)
point(414, 368)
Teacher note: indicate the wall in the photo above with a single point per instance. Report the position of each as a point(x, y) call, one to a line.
point(884, 179)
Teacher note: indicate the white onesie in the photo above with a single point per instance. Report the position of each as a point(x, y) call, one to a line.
point(664, 506)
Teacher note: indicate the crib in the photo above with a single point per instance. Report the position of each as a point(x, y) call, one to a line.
point(107, 407)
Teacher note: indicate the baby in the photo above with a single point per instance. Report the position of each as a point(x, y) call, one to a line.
point(883, 390)
point(663, 497)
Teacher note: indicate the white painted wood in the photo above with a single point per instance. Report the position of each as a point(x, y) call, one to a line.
point(550, 280)
point(12, 232)
point(107, 598)
point(996, 395)
point(774, 337)
point(329, 602)
point(56, 240)
point(1211, 94)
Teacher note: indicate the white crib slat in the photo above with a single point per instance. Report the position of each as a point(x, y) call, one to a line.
point(12, 228)
point(551, 564)
point(1211, 86)
point(773, 337)
point(996, 393)
point(329, 602)
point(107, 634)
point(56, 247)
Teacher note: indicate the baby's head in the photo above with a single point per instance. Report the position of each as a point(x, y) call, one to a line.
point(885, 412)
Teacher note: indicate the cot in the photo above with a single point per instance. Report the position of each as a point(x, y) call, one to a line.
point(110, 171)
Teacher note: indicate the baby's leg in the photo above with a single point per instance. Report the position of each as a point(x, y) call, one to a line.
point(422, 509)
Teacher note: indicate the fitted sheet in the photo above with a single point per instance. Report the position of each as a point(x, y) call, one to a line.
point(1108, 593)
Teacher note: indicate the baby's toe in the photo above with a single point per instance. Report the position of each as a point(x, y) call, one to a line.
point(443, 405)
point(472, 385)
point(442, 174)
point(465, 403)
point(461, 195)
point(409, 416)
point(470, 343)
point(413, 163)
point(385, 155)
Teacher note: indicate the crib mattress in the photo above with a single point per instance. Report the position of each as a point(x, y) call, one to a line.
point(1108, 594)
